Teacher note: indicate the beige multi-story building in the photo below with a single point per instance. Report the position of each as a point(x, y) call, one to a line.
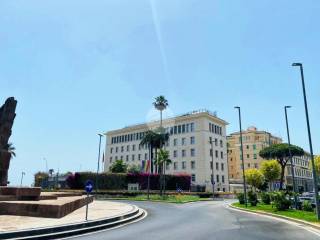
point(302, 173)
point(189, 147)
point(253, 141)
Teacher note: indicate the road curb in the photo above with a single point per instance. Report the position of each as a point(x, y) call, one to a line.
point(64, 231)
point(317, 227)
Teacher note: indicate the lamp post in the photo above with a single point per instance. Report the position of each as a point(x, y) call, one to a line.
point(243, 175)
point(98, 164)
point(22, 174)
point(291, 161)
point(315, 178)
point(212, 172)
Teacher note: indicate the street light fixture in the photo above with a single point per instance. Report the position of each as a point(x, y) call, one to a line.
point(291, 161)
point(315, 178)
point(98, 164)
point(243, 174)
point(22, 174)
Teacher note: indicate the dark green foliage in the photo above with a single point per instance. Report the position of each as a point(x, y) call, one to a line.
point(119, 181)
point(118, 167)
point(265, 198)
point(306, 206)
point(281, 201)
point(240, 197)
point(252, 198)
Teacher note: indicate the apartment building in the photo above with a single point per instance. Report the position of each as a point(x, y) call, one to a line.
point(189, 147)
point(253, 141)
point(302, 173)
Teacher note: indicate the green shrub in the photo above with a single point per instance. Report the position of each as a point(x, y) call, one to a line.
point(280, 201)
point(306, 206)
point(240, 197)
point(252, 198)
point(265, 198)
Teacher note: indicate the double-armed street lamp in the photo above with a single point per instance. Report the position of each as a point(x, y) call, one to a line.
point(315, 178)
point(22, 174)
point(290, 156)
point(242, 158)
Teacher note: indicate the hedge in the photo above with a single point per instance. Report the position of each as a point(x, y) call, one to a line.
point(120, 181)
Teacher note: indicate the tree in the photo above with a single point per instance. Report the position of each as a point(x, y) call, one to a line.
point(162, 161)
point(254, 177)
point(281, 152)
point(271, 170)
point(149, 139)
point(118, 167)
point(160, 103)
point(317, 164)
point(39, 177)
point(134, 169)
point(10, 149)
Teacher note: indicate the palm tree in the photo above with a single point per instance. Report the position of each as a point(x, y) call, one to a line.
point(162, 161)
point(10, 149)
point(160, 103)
point(149, 140)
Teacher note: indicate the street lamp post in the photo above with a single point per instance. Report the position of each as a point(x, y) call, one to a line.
point(291, 161)
point(212, 171)
point(315, 179)
point(98, 164)
point(243, 174)
point(22, 174)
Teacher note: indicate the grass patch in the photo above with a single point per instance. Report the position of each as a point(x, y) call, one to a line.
point(158, 198)
point(292, 213)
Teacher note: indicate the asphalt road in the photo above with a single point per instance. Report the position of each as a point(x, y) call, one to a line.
point(202, 220)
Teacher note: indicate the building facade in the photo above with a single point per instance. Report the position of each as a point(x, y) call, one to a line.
point(253, 141)
point(189, 147)
point(302, 173)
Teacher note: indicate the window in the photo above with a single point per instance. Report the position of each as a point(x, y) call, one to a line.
point(183, 165)
point(183, 153)
point(175, 142)
point(222, 179)
point(193, 165)
point(128, 148)
point(256, 165)
point(216, 142)
point(191, 127)
point(183, 128)
point(122, 148)
point(187, 127)
point(221, 143)
point(192, 140)
point(121, 157)
point(192, 152)
point(167, 166)
point(217, 166)
point(145, 156)
point(127, 158)
point(139, 147)
point(217, 154)
point(139, 156)
point(248, 165)
point(111, 150)
point(175, 165)
point(255, 156)
point(179, 129)
point(210, 152)
point(210, 165)
point(221, 155)
point(193, 177)
point(248, 155)
point(218, 179)
point(110, 159)
point(116, 158)
point(183, 141)
point(222, 167)
point(132, 157)
point(247, 146)
point(133, 147)
point(175, 153)
point(175, 129)
point(254, 147)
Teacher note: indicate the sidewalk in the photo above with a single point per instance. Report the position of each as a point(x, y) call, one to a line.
point(97, 210)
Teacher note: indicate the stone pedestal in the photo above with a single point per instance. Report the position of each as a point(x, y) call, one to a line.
point(22, 193)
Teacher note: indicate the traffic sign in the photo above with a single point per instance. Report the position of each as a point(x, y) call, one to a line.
point(89, 186)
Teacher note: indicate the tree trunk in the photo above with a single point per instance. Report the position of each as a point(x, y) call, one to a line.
point(283, 168)
point(5, 158)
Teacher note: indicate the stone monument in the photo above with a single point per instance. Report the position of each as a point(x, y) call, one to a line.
point(7, 115)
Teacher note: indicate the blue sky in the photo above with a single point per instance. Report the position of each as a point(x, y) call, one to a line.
point(82, 67)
